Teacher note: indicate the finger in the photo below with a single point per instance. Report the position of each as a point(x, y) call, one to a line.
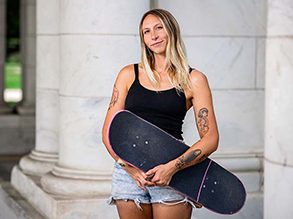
point(160, 183)
point(155, 180)
point(151, 171)
point(139, 184)
point(149, 177)
point(144, 182)
point(148, 183)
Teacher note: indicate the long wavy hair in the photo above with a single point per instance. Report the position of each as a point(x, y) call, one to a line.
point(177, 65)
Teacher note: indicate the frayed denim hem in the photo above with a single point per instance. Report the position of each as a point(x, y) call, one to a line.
point(137, 201)
point(185, 201)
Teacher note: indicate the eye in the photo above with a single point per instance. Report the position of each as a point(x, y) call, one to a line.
point(146, 31)
point(159, 27)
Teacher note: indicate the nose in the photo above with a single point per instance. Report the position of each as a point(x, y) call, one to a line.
point(154, 35)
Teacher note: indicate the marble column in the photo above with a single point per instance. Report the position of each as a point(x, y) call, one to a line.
point(97, 38)
point(3, 107)
point(42, 159)
point(278, 184)
point(28, 56)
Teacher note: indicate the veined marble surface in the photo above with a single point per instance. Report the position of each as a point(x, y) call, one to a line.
point(260, 63)
point(81, 121)
point(47, 18)
point(279, 101)
point(47, 120)
point(229, 63)
point(48, 61)
point(240, 116)
point(277, 191)
point(101, 17)
point(93, 73)
point(280, 19)
point(219, 18)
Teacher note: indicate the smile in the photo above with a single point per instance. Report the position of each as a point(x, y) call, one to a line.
point(156, 44)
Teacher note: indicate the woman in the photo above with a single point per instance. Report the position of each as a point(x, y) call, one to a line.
point(160, 89)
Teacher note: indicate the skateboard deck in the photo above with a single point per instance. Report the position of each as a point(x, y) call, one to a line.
point(144, 146)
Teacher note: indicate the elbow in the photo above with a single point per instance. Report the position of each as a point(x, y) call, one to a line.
point(213, 139)
point(103, 140)
point(104, 136)
point(216, 142)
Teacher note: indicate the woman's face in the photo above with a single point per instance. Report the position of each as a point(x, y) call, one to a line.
point(154, 35)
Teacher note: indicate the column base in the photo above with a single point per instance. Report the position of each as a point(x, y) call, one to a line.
point(69, 182)
point(38, 163)
point(57, 206)
point(69, 207)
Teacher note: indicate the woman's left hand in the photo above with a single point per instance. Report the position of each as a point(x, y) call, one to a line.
point(162, 174)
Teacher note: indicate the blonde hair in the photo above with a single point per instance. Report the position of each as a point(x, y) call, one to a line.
point(177, 64)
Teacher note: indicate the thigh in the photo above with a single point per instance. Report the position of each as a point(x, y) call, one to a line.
point(128, 209)
point(162, 211)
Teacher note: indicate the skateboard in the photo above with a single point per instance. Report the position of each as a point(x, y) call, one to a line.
point(144, 146)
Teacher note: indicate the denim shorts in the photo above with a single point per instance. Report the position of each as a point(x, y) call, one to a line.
point(125, 188)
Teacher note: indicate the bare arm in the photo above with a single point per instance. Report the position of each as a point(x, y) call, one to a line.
point(122, 84)
point(205, 121)
point(117, 103)
point(201, 100)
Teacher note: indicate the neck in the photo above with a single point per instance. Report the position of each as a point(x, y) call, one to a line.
point(160, 62)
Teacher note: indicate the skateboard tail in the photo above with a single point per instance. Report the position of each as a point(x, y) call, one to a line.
point(202, 182)
point(221, 191)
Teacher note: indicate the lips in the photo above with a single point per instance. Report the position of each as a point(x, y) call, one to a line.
point(156, 44)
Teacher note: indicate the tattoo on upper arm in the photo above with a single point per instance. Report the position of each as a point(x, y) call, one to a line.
point(184, 160)
point(203, 122)
point(114, 98)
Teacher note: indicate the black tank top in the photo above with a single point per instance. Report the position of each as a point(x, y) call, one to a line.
point(165, 109)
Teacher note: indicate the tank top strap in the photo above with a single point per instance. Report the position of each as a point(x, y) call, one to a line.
point(190, 69)
point(136, 71)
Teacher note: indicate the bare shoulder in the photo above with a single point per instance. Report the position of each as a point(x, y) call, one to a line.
point(127, 71)
point(126, 75)
point(197, 78)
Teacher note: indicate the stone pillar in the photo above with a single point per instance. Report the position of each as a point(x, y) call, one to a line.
point(97, 38)
point(41, 160)
point(3, 107)
point(95, 42)
point(28, 55)
point(278, 185)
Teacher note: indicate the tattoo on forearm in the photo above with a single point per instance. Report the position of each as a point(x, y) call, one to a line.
point(203, 157)
point(114, 98)
point(203, 122)
point(184, 160)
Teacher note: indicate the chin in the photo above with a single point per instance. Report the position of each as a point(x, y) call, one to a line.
point(159, 51)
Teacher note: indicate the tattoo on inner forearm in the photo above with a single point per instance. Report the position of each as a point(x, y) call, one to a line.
point(203, 122)
point(184, 160)
point(114, 98)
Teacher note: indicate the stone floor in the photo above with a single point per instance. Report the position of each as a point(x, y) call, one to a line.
point(12, 204)
point(6, 164)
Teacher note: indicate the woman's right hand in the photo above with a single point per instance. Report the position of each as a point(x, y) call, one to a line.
point(138, 176)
